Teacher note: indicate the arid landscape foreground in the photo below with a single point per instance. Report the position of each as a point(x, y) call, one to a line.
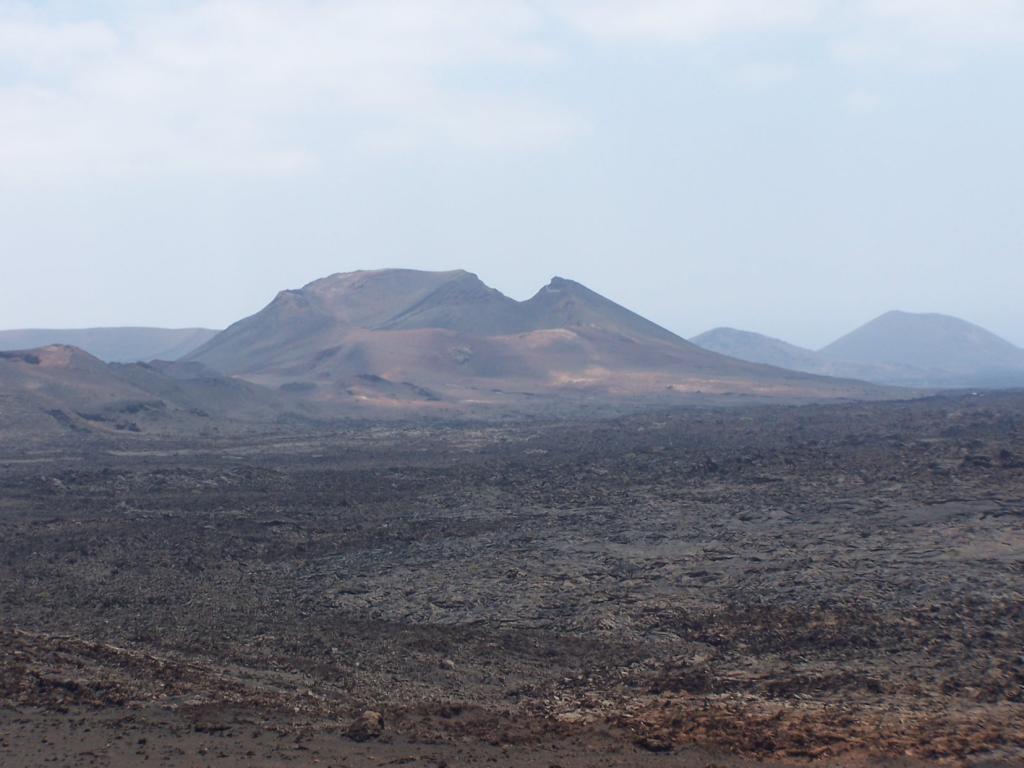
point(837, 583)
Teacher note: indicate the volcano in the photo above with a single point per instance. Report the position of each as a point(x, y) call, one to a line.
point(408, 339)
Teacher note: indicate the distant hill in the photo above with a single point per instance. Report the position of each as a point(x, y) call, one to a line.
point(946, 349)
point(898, 348)
point(114, 345)
point(62, 389)
point(747, 345)
point(409, 339)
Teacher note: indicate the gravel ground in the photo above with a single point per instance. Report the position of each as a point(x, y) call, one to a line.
point(842, 583)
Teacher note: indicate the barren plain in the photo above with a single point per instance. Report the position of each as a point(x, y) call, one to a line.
point(841, 584)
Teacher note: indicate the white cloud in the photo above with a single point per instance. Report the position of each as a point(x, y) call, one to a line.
point(957, 21)
point(689, 21)
point(861, 102)
point(261, 87)
point(53, 48)
point(264, 87)
point(931, 35)
point(764, 74)
point(696, 21)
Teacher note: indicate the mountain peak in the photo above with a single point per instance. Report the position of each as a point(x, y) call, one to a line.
point(901, 315)
point(372, 298)
point(392, 333)
point(758, 348)
point(392, 275)
point(927, 341)
point(121, 344)
point(560, 283)
point(62, 356)
point(564, 303)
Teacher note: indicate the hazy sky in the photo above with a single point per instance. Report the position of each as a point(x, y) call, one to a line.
point(789, 166)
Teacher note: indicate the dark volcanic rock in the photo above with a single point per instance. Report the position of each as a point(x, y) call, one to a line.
point(369, 725)
point(845, 586)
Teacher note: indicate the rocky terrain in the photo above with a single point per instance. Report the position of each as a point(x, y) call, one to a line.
point(841, 584)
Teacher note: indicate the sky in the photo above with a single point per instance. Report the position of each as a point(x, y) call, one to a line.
point(793, 167)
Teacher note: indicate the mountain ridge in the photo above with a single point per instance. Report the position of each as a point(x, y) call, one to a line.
point(117, 344)
point(898, 348)
point(61, 388)
point(924, 340)
point(361, 334)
